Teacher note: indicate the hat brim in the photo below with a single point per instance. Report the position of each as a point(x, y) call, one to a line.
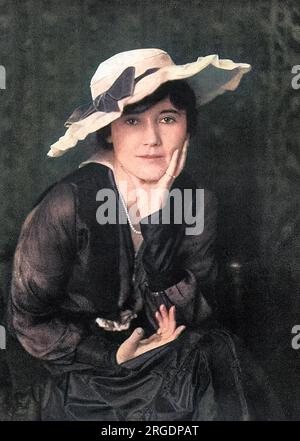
point(209, 76)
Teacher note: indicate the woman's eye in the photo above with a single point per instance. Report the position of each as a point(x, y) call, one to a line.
point(131, 121)
point(168, 120)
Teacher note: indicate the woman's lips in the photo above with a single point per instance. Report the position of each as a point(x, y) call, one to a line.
point(150, 156)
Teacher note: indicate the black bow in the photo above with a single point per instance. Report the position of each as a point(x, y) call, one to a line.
point(121, 88)
point(108, 101)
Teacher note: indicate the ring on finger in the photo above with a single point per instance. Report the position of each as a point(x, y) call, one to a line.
point(171, 176)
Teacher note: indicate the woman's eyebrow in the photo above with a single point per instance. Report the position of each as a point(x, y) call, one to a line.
point(138, 112)
point(177, 112)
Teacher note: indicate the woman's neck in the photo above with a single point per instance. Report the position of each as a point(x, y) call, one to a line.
point(124, 184)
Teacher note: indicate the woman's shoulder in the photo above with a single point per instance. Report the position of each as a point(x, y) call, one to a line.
point(63, 191)
point(89, 172)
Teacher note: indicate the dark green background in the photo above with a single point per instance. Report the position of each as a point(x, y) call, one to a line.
point(247, 147)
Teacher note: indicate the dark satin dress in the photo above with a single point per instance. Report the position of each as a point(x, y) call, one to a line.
point(205, 376)
point(69, 271)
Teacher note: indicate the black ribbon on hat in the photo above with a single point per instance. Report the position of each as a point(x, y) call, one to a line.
point(121, 88)
point(108, 101)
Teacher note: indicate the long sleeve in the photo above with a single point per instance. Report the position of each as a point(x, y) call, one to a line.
point(43, 261)
point(181, 269)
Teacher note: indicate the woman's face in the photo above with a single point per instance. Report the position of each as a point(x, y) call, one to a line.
point(144, 142)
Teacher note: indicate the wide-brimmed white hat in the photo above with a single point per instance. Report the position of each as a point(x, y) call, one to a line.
point(128, 77)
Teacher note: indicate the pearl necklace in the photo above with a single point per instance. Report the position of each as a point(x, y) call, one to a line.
point(127, 214)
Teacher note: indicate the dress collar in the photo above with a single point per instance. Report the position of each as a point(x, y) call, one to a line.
point(104, 157)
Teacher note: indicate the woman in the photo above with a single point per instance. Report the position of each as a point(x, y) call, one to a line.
point(121, 312)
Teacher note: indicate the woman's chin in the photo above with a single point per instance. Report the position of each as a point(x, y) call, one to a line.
point(150, 175)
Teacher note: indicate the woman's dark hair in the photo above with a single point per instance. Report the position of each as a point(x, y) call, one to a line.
point(181, 96)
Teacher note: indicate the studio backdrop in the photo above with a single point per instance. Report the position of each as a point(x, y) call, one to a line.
point(246, 148)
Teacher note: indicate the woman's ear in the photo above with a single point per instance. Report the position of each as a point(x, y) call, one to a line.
point(108, 139)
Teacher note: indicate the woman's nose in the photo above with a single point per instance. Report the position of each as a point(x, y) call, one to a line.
point(151, 135)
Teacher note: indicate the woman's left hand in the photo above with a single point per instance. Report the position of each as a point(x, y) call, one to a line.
point(168, 331)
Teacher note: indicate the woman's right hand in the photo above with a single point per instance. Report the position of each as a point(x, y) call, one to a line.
point(135, 345)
